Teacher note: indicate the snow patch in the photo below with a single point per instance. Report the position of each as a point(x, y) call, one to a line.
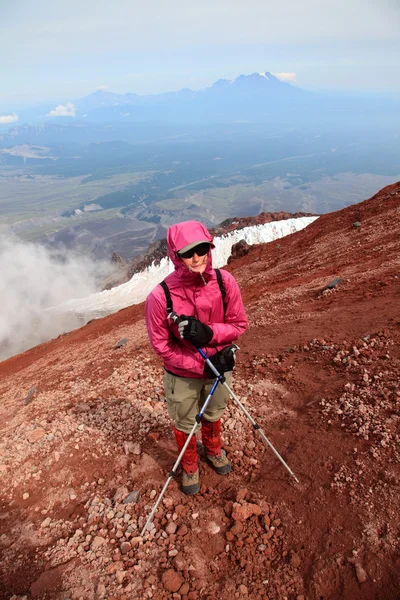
point(140, 285)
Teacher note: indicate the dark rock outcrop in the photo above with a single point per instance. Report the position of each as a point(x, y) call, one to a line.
point(241, 248)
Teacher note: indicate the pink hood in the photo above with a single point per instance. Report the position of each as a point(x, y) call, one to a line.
point(179, 236)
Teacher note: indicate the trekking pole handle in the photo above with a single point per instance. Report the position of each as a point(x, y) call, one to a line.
point(235, 348)
point(174, 317)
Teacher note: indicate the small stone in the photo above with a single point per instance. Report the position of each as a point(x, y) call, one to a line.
point(183, 529)
point(125, 547)
point(172, 580)
point(128, 447)
point(332, 284)
point(295, 560)
point(361, 573)
point(356, 224)
point(243, 590)
point(237, 528)
point(241, 495)
point(131, 498)
point(168, 502)
point(35, 435)
point(120, 576)
point(136, 449)
point(30, 395)
point(242, 512)
point(97, 542)
point(45, 523)
point(25, 496)
point(180, 562)
point(120, 494)
point(184, 589)
point(121, 343)
point(171, 528)
point(267, 522)
point(213, 528)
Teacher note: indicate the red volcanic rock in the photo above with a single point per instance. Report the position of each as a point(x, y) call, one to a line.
point(125, 547)
point(244, 511)
point(35, 435)
point(172, 580)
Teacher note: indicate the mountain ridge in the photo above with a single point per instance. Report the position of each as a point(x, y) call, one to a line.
point(258, 97)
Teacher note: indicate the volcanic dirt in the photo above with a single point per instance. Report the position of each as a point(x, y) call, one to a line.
point(86, 443)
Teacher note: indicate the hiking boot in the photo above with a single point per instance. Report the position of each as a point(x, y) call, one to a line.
point(220, 463)
point(190, 483)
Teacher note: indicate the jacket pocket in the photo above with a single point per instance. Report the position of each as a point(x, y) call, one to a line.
point(169, 387)
point(169, 384)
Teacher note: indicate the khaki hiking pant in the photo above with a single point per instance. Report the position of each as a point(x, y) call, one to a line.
point(186, 396)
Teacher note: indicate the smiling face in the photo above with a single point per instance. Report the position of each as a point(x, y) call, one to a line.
point(196, 258)
point(197, 264)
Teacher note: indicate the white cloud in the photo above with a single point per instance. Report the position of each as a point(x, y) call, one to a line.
point(4, 119)
point(286, 77)
point(33, 279)
point(63, 110)
point(102, 88)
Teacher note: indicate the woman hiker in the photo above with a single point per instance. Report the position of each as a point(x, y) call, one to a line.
point(212, 317)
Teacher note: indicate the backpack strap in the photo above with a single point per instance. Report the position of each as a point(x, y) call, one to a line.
point(167, 297)
point(222, 288)
point(220, 284)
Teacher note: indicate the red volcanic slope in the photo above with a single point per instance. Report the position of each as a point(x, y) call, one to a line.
point(319, 370)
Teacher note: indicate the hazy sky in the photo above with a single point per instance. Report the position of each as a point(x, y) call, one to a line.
point(64, 50)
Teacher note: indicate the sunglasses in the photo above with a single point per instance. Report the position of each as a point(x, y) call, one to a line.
point(200, 250)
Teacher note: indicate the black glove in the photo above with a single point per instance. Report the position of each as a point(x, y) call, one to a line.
point(223, 361)
point(195, 331)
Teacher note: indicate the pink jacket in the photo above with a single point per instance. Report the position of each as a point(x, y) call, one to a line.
point(192, 297)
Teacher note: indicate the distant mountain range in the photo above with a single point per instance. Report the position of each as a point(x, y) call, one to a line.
point(244, 98)
point(257, 85)
point(248, 99)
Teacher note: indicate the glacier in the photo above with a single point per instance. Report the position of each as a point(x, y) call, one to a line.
point(140, 285)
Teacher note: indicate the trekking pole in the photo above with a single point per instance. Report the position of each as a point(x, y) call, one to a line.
point(253, 422)
point(178, 460)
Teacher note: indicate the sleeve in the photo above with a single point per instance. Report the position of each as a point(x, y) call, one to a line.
point(175, 354)
point(235, 317)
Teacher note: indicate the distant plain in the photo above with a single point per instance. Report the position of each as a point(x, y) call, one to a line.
point(118, 196)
